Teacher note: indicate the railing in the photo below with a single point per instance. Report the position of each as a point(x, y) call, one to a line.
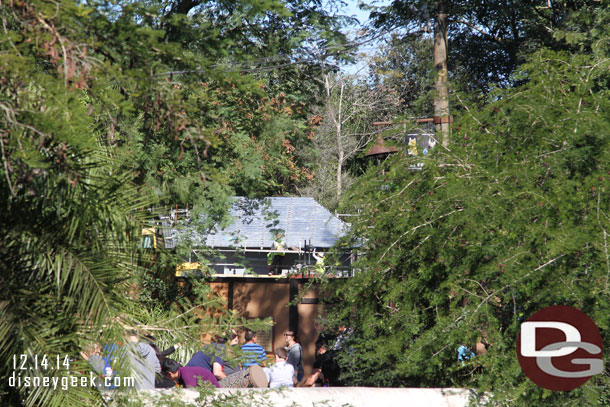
point(238, 270)
point(301, 271)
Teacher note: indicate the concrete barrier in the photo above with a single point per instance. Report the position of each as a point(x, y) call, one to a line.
point(332, 397)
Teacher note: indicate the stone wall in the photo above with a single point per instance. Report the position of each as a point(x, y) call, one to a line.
point(328, 397)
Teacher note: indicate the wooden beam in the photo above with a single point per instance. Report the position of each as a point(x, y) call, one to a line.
point(293, 310)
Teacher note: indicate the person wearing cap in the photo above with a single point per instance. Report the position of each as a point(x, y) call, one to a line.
point(143, 360)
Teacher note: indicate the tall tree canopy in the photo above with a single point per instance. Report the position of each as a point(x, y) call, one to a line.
point(488, 40)
point(405, 68)
point(513, 217)
point(109, 108)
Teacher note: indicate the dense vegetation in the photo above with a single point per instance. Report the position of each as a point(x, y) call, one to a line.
point(511, 218)
point(111, 110)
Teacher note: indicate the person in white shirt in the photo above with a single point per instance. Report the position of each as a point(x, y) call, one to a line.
point(280, 373)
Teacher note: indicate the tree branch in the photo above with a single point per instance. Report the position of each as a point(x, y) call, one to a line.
point(479, 30)
point(417, 227)
point(492, 294)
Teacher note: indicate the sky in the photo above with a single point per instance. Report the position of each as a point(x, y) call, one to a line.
point(352, 9)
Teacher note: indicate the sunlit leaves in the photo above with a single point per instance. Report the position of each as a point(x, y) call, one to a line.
point(511, 218)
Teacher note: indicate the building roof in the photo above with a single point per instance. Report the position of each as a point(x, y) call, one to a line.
point(380, 148)
point(301, 220)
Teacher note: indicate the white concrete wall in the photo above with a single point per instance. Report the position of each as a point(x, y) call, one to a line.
point(339, 397)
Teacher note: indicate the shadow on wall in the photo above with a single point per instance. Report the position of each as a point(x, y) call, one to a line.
point(261, 300)
point(242, 296)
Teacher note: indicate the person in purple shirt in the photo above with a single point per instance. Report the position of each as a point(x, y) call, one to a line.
point(208, 361)
point(254, 376)
point(188, 376)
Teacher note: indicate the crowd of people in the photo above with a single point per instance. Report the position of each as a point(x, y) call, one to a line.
point(223, 363)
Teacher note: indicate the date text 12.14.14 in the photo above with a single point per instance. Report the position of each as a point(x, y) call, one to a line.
point(44, 362)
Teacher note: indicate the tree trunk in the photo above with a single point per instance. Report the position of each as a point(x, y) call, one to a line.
point(339, 174)
point(339, 143)
point(441, 94)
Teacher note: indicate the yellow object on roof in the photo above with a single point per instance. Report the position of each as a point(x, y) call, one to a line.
point(149, 239)
point(183, 269)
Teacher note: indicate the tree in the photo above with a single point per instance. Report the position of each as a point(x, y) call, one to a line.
point(345, 129)
point(69, 217)
point(284, 43)
point(216, 123)
point(102, 117)
point(489, 40)
point(512, 219)
point(441, 83)
point(406, 69)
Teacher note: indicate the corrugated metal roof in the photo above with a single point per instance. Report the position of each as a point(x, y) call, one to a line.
point(301, 220)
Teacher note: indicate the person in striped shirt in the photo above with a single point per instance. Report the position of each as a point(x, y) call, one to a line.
point(253, 353)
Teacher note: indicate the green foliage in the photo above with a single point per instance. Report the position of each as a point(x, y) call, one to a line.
point(197, 312)
point(512, 218)
point(207, 397)
point(404, 67)
point(488, 40)
point(70, 218)
point(106, 110)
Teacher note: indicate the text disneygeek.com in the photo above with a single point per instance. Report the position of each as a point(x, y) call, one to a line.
point(66, 382)
point(29, 372)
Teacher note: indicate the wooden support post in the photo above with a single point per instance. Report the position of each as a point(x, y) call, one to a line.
point(293, 310)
